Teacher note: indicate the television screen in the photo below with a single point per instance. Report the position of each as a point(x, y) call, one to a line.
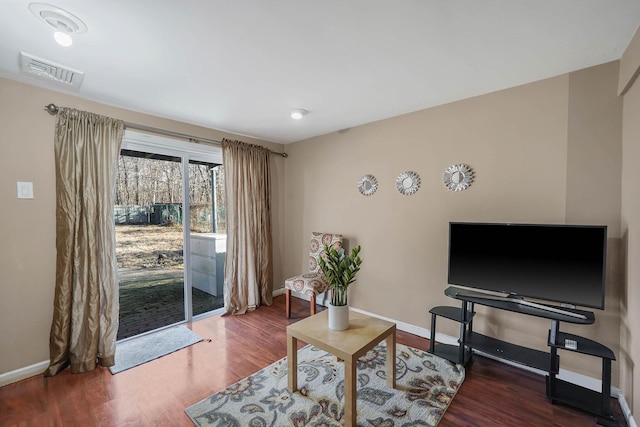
point(560, 263)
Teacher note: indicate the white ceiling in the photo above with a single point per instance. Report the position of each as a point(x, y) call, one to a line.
point(241, 65)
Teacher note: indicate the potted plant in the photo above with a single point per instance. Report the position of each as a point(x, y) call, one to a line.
point(340, 271)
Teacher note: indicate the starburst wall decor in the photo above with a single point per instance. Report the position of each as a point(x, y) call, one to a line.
point(458, 177)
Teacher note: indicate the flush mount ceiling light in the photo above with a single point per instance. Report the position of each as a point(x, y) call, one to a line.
point(298, 113)
point(64, 24)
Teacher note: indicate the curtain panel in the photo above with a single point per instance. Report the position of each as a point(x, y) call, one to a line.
point(85, 318)
point(248, 277)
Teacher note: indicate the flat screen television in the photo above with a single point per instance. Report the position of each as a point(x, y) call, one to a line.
point(559, 263)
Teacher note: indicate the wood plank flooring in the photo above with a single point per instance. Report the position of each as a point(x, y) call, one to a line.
point(156, 393)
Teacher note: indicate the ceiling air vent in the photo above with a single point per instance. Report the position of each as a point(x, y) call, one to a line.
point(50, 70)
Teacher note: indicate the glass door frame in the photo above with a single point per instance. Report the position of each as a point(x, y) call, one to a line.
point(156, 144)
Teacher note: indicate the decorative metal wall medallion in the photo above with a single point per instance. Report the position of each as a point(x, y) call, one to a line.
point(458, 177)
point(408, 183)
point(368, 185)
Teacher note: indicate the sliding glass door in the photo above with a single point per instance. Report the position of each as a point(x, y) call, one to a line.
point(170, 252)
point(207, 237)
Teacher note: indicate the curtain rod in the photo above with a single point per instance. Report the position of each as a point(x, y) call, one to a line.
point(53, 110)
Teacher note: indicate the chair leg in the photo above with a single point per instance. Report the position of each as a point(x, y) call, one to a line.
point(313, 304)
point(288, 304)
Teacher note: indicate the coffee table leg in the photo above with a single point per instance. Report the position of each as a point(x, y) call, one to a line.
point(292, 362)
point(350, 414)
point(391, 360)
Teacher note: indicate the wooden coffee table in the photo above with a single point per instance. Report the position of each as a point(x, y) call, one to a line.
point(364, 333)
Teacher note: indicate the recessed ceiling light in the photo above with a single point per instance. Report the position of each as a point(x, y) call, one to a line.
point(63, 39)
point(298, 113)
point(64, 24)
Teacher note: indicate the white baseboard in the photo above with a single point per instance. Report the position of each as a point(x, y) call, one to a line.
point(626, 411)
point(23, 373)
point(277, 292)
point(320, 299)
point(412, 329)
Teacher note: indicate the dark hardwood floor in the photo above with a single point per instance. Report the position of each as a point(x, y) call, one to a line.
point(156, 393)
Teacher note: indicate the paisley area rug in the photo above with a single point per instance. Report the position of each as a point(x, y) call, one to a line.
point(426, 384)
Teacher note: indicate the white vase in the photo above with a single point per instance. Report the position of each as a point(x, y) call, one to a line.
point(338, 317)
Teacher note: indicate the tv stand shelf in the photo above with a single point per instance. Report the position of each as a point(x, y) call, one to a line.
point(558, 391)
point(514, 353)
point(454, 353)
point(585, 345)
point(561, 391)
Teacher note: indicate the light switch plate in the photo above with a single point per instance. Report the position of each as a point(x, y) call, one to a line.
point(25, 190)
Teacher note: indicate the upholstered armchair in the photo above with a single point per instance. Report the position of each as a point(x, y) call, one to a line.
point(313, 282)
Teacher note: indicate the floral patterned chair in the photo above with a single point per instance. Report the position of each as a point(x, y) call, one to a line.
point(313, 282)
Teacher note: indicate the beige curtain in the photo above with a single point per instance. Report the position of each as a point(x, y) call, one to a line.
point(85, 317)
point(248, 266)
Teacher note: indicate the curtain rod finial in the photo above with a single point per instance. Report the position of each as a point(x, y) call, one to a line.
point(51, 109)
point(285, 155)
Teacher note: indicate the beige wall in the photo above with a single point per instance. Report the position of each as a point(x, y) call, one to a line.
point(27, 253)
point(630, 302)
point(546, 152)
point(594, 147)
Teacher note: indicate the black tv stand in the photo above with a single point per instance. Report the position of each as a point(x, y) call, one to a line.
point(557, 391)
point(518, 300)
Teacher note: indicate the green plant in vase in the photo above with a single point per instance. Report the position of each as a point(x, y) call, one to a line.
point(340, 271)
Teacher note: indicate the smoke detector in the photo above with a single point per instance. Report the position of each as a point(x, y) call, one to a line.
point(50, 70)
point(63, 23)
